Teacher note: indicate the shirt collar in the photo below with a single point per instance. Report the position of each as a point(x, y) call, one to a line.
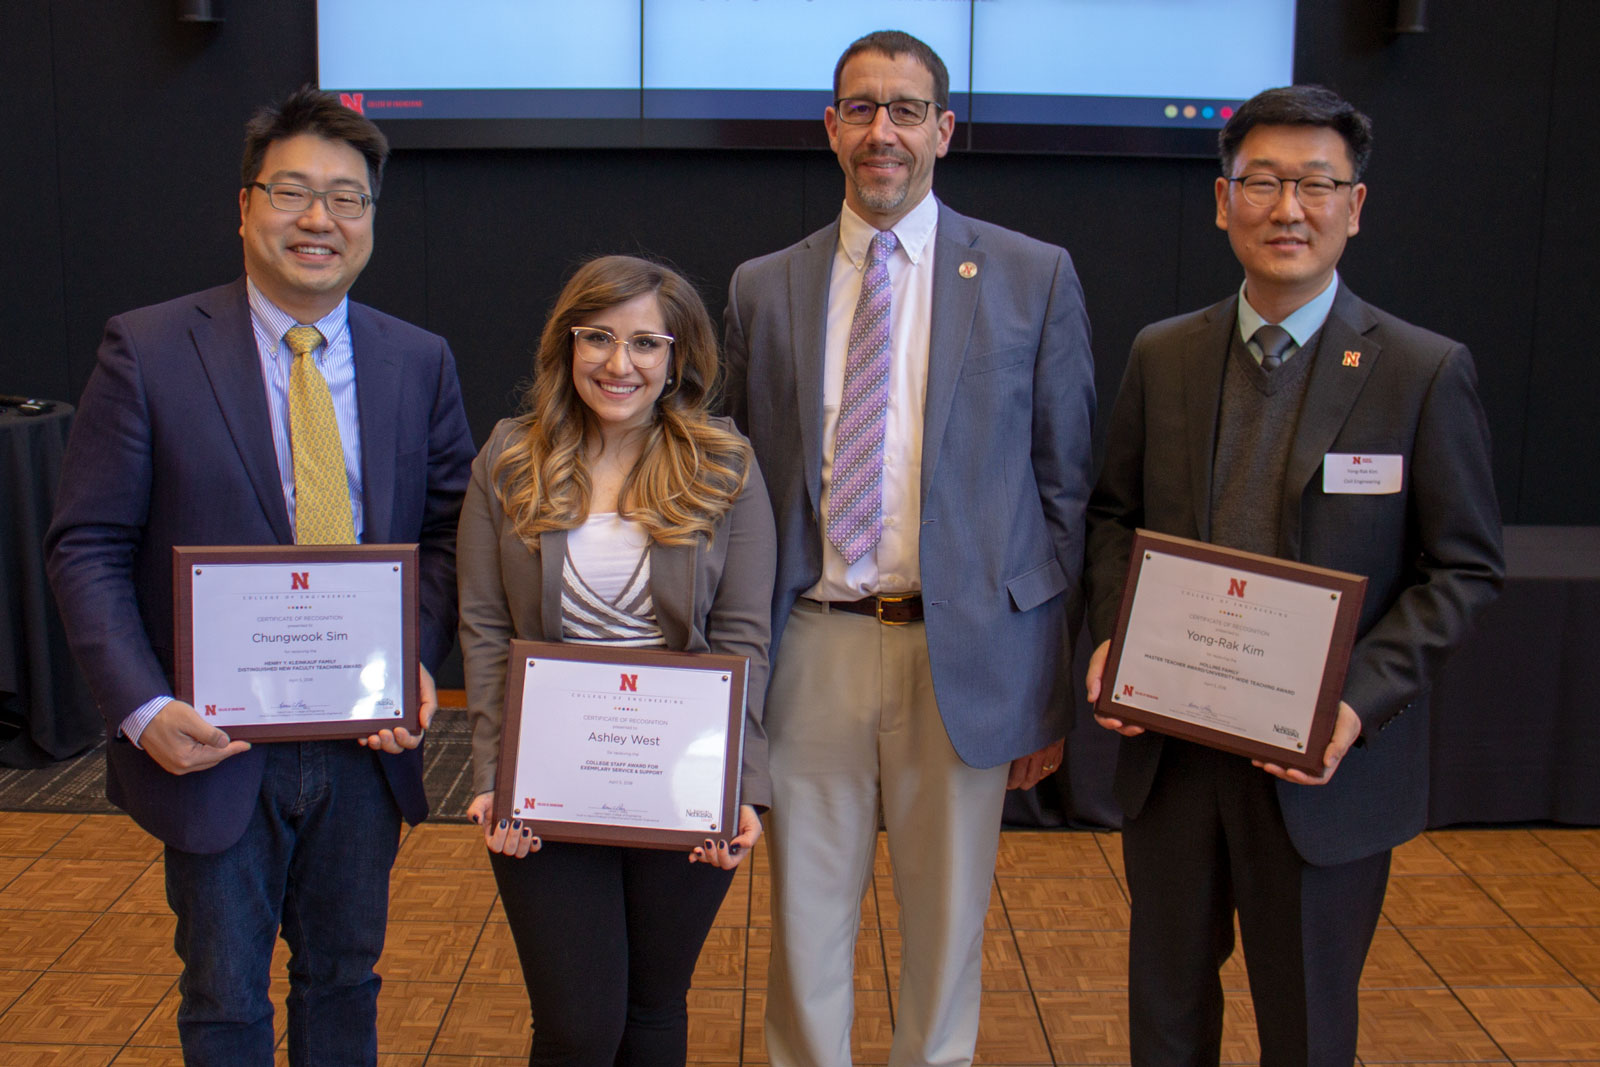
point(1304, 321)
point(274, 322)
point(913, 232)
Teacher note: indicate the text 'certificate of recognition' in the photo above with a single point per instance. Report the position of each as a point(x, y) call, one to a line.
point(623, 746)
point(1242, 652)
point(298, 645)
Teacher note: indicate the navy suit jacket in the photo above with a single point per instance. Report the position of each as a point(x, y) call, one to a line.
point(1431, 552)
point(172, 445)
point(1006, 458)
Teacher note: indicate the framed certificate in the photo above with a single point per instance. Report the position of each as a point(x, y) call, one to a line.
point(621, 746)
point(1237, 651)
point(298, 642)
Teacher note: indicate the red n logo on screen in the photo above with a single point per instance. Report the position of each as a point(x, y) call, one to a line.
point(527, 803)
point(1236, 587)
point(211, 709)
point(353, 101)
point(630, 683)
point(300, 580)
point(1127, 690)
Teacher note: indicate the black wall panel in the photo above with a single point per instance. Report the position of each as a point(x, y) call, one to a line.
point(1560, 476)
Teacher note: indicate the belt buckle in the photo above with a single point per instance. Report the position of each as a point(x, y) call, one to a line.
point(882, 600)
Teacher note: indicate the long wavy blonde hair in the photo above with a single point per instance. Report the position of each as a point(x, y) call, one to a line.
point(689, 472)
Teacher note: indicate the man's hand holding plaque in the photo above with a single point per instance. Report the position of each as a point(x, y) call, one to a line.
point(1241, 652)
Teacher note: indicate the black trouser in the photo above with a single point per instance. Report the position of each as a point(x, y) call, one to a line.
point(608, 938)
point(1209, 840)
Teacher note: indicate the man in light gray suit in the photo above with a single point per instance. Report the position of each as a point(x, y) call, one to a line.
point(1295, 420)
point(919, 391)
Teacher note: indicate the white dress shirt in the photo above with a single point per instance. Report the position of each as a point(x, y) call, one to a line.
point(893, 566)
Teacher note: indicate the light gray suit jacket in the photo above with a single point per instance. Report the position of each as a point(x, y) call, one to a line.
point(1431, 552)
point(1005, 462)
point(708, 598)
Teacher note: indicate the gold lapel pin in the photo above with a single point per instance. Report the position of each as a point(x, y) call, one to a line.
point(1352, 359)
point(968, 269)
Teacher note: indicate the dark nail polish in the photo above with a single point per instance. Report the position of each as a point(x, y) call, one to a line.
point(735, 848)
point(709, 845)
point(722, 844)
point(502, 824)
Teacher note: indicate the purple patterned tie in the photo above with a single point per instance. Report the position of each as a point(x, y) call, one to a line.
point(855, 500)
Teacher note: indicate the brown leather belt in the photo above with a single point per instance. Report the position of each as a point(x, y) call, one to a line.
point(889, 610)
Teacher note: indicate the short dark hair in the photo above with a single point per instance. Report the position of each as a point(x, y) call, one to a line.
point(1299, 105)
point(894, 43)
point(309, 110)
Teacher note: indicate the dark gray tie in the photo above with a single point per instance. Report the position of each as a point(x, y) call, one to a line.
point(1274, 341)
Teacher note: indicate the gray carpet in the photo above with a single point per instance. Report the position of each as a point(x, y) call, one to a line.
point(79, 785)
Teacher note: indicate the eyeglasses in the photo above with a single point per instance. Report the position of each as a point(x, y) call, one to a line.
point(287, 196)
point(1264, 190)
point(594, 344)
point(856, 111)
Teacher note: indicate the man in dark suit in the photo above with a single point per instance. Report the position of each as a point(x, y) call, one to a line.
point(1229, 428)
point(200, 426)
point(919, 391)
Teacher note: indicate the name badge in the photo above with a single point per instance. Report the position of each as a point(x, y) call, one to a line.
point(1343, 472)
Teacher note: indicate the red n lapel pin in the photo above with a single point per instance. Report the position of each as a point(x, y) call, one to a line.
point(1352, 359)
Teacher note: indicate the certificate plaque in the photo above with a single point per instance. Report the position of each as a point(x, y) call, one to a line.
point(1241, 652)
point(621, 746)
point(298, 642)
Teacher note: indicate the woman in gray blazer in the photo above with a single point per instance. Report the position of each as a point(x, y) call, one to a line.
point(615, 510)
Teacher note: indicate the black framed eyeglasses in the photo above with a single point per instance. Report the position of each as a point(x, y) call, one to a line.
point(1264, 190)
point(594, 344)
point(858, 111)
point(288, 196)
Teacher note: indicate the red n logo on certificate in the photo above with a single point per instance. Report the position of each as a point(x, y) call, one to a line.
point(1236, 587)
point(300, 580)
point(1127, 690)
point(630, 683)
point(211, 709)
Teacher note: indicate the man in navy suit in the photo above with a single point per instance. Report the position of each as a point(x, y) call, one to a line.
point(1235, 425)
point(184, 437)
point(928, 541)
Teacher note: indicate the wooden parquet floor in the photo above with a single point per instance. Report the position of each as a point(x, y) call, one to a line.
point(1489, 952)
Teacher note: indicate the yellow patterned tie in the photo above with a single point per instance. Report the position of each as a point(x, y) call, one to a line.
point(321, 488)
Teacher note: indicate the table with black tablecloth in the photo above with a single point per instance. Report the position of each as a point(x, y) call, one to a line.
point(1516, 710)
point(46, 713)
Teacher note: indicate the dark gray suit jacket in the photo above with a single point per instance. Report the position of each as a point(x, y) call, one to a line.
point(1431, 552)
point(1006, 462)
point(172, 445)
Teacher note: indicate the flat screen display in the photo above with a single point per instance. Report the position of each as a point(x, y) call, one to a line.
point(1115, 76)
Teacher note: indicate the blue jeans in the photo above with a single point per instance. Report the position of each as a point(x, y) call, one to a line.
point(314, 862)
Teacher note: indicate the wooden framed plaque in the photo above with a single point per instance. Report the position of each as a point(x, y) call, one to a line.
point(1238, 651)
point(298, 642)
point(621, 746)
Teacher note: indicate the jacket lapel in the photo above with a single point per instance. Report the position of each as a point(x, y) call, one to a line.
point(226, 343)
point(377, 401)
point(1330, 395)
point(808, 316)
point(955, 304)
point(552, 556)
point(672, 588)
point(1205, 358)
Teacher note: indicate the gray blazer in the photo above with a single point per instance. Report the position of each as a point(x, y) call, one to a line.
point(709, 597)
point(1005, 462)
point(1431, 552)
